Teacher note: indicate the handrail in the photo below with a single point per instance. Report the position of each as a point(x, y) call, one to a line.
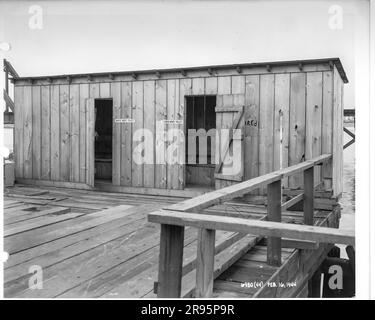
point(174, 218)
point(255, 227)
point(8, 70)
point(218, 196)
point(8, 101)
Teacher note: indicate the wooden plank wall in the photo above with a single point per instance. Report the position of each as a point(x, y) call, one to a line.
point(289, 117)
point(337, 138)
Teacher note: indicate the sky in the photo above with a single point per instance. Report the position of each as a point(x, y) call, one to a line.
point(62, 37)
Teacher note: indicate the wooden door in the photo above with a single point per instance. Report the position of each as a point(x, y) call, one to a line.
point(229, 144)
point(90, 142)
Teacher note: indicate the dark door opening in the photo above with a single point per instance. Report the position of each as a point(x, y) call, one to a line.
point(103, 140)
point(200, 166)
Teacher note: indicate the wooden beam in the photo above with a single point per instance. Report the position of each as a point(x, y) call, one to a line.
point(320, 159)
point(170, 261)
point(289, 171)
point(256, 227)
point(299, 244)
point(10, 69)
point(236, 122)
point(292, 202)
point(6, 79)
point(274, 214)
point(8, 101)
point(223, 261)
point(308, 198)
point(237, 190)
point(296, 244)
point(205, 263)
point(228, 177)
point(218, 196)
point(242, 188)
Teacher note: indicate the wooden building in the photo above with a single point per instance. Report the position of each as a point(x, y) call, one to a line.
point(78, 130)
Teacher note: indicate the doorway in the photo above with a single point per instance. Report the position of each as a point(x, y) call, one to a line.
point(103, 140)
point(200, 159)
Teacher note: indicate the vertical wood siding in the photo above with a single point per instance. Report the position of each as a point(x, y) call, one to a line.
point(287, 118)
point(46, 133)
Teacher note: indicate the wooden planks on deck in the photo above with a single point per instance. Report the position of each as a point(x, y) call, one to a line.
point(84, 252)
point(111, 251)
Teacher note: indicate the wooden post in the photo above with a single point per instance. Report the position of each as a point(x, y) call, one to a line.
point(274, 214)
point(170, 261)
point(308, 198)
point(6, 85)
point(6, 81)
point(205, 263)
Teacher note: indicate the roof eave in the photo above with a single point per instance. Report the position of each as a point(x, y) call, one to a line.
point(335, 61)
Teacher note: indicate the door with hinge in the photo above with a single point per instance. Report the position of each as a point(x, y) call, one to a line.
point(229, 140)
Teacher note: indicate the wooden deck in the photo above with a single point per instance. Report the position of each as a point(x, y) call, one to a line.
point(96, 244)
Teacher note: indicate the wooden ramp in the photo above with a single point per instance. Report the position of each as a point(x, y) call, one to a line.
point(252, 276)
point(256, 271)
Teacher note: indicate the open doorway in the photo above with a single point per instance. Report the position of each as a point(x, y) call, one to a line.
point(200, 159)
point(103, 140)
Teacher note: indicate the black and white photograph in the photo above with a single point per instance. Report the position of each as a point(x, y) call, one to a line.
point(187, 149)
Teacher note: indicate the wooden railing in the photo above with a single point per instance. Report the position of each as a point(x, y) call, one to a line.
point(176, 217)
point(9, 71)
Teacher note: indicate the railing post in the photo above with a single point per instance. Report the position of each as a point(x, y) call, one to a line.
point(308, 197)
point(205, 263)
point(274, 214)
point(170, 261)
point(6, 85)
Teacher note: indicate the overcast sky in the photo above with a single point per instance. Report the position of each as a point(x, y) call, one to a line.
point(80, 36)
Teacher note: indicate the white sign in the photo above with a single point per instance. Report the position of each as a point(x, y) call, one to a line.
point(124, 120)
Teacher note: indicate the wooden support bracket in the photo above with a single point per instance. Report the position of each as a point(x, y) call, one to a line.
point(236, 122)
